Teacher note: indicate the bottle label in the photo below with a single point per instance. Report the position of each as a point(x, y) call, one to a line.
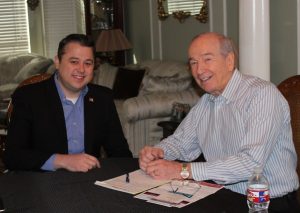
point(258, 196)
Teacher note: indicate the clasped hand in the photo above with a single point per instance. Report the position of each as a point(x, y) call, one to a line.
point(151, 161)
point(76, 162)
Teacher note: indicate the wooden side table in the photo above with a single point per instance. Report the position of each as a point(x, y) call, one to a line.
point(168, 127)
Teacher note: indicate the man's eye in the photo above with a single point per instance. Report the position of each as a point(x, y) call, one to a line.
point(193, 63)
point(207, 59)
point(74, 62)
point(89, 63)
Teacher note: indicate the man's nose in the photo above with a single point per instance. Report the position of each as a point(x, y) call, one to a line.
point(199, 68)
point(81, 67)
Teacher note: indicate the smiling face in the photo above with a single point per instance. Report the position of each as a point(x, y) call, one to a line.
point(211, 69)
point(75, 69)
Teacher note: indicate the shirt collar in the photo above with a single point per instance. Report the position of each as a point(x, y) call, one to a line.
point(229, 92)
point(62, 96)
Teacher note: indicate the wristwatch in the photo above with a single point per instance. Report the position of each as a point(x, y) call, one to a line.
point(184, 171)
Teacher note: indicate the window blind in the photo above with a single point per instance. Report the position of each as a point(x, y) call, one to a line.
point(62, 18)
point(193, 6)
point(14, 30)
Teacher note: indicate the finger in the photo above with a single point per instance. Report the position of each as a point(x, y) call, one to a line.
point(95, 164)
point(154, 153)
point(148, 154)
point(98, 164)
point(143, 166)
point(151, 169)
point(156, 163)
point(141, 163)
point(144, 151)
point(93, 161)
point(90, 163)
point(161, 153)
point(149, 157)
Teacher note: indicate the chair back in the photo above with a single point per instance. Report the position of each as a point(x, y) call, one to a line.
point(31, 80)
point(290, 88)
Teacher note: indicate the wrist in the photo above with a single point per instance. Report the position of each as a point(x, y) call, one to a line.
point(185, 172)
point(58, 162)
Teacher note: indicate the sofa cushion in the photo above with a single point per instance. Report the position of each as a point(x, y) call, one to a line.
point(158, 104)
point(167, 76)
point(105, 75)
point(11, 64)
point(127, 83)
point(166, 84)
point(166, 68)
point(35, 66)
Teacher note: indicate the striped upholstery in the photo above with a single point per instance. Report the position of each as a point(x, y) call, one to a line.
point(164, 83)
point(142, 114)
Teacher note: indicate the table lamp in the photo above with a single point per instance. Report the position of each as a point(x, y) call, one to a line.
point(110, 41)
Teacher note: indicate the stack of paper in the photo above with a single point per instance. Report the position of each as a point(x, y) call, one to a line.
point(139, 182)
point(164, 195)
point(168, 193)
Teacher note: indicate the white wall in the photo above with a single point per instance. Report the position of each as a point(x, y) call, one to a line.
point(283, 39)
point(170, 39)
point(155, 39)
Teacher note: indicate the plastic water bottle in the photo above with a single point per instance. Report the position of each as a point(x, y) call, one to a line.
point(258, 197)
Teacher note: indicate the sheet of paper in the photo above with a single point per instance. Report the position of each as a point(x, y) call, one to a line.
point(168, 195)
point(139, 182)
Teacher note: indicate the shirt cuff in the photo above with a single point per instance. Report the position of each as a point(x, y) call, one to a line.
point(49, 164)
point(198, 171)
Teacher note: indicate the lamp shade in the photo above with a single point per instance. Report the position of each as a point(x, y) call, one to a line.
point(112, 40)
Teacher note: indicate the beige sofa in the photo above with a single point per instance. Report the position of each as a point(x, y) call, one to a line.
point(14, 69)
point(164, 83)
point(18, 67)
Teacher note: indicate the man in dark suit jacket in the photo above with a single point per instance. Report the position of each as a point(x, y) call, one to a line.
point(62, 122)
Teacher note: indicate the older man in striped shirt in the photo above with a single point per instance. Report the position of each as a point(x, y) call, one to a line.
point(241, 123)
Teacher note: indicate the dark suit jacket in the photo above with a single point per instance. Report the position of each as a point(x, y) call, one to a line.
point(37, 128)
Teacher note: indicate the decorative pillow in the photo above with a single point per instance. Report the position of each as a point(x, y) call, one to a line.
point(165, 84)
point(105, 75)
point(167, 68)
point(127, 83)
point(35, 66)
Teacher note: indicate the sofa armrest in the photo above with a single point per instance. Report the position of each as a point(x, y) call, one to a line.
point(158, 104)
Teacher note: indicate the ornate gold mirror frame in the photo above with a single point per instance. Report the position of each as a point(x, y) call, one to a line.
point(181, 15)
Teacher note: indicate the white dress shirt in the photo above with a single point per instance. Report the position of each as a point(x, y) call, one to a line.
point(248, 125)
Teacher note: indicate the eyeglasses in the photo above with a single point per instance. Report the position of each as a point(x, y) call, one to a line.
point(185, 188)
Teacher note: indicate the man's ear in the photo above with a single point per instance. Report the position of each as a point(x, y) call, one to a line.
point(56, 62)
point(230, 61)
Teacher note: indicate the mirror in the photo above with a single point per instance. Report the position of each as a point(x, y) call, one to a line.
point(181, 10)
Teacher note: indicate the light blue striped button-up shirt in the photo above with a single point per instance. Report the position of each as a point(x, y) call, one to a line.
point(247, 126)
